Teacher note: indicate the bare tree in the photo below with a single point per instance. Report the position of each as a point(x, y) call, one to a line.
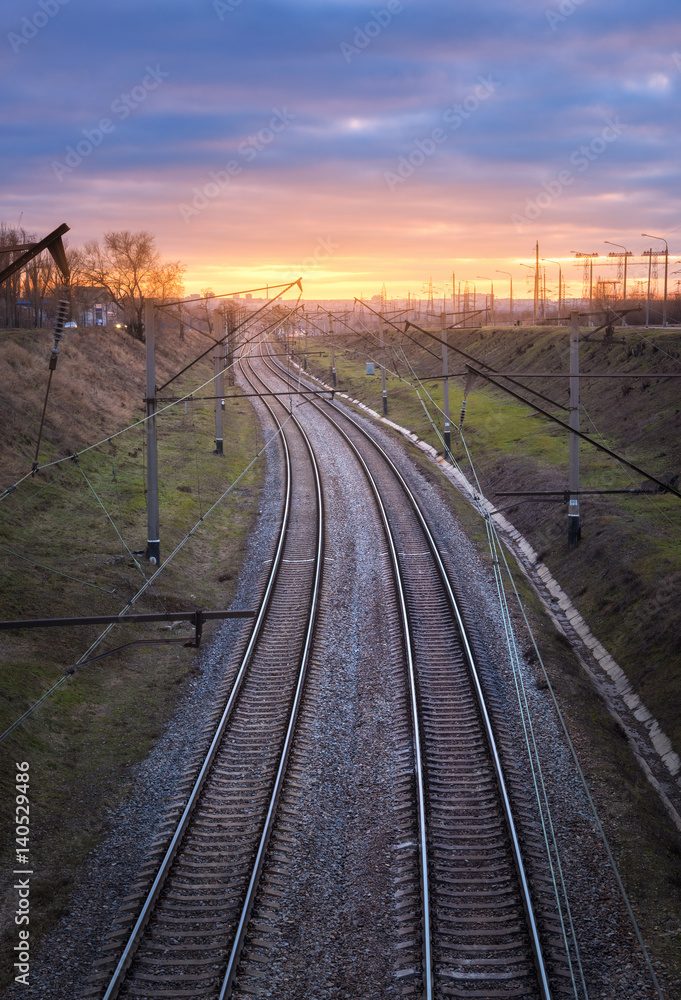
point(10, 290)
point(129, 268)
point(41, 279)
point(201, 312)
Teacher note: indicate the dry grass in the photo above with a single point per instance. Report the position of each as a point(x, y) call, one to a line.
point(83, 741)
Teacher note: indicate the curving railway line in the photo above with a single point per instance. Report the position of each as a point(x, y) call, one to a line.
point(474, 913)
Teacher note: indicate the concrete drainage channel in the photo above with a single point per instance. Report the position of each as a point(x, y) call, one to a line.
point(650, 745)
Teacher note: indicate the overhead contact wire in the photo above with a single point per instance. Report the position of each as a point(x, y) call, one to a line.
point(144, 588)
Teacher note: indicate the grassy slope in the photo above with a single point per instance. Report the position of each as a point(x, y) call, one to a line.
point(625, 577)
point(81, 743)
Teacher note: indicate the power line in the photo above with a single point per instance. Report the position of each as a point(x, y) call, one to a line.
point(56, 571)
point(148, 583)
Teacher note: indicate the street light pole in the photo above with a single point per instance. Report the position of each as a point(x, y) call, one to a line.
point(666, 268)
point(510, 278)
point(650, 268)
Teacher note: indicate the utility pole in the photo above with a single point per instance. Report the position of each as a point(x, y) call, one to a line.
point(445, 389)
point(384, 390)
point(219, 359)
point(574, 529)
point(153, 527)
point(560, 280)
point(229, 322)
point(305, 317)
point(333, 353)
point(543, 294)
point(650, 268)
point(536, 284)
point(666, 268)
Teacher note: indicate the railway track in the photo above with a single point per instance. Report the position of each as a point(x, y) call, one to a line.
point(465, 919)
point(481, 935)
point(181, 931)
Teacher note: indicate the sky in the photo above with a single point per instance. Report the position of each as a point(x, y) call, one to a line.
point(350, 143)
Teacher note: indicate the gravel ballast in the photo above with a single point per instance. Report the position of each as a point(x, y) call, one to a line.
point(336, 935)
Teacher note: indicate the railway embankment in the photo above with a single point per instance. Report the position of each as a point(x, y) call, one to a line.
point(624, 577)
point(63, 555)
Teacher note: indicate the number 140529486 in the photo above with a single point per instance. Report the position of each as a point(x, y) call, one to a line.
point(22, 813)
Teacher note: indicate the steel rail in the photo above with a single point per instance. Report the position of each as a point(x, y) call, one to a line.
point(540, 967)
point(411, 669)
point(249, 901)
point(135, 936)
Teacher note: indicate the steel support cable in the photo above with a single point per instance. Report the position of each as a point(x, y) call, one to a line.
point(159, 880)
point(527, 723)
point(112, 449)
point(133, 600)
point(406, 334)
point(110, 519)
point(520, 867)
point(143, 420)
point(483, 512)
point(222, 340)
point(137, 423)
point(585, 786)
point(111, 437)
point(657, 348)
point(628, 471)
point(458, 350)
point(34, 496)
point(534, 761)
point(587, 791)
point(452, 460)
point(120, 536)
point(436, 429)
point(55, 571)
point(247, 909)
point(579, 434)
point(228, 295)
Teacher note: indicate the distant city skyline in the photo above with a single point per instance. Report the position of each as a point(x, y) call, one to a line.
point(348, 143)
